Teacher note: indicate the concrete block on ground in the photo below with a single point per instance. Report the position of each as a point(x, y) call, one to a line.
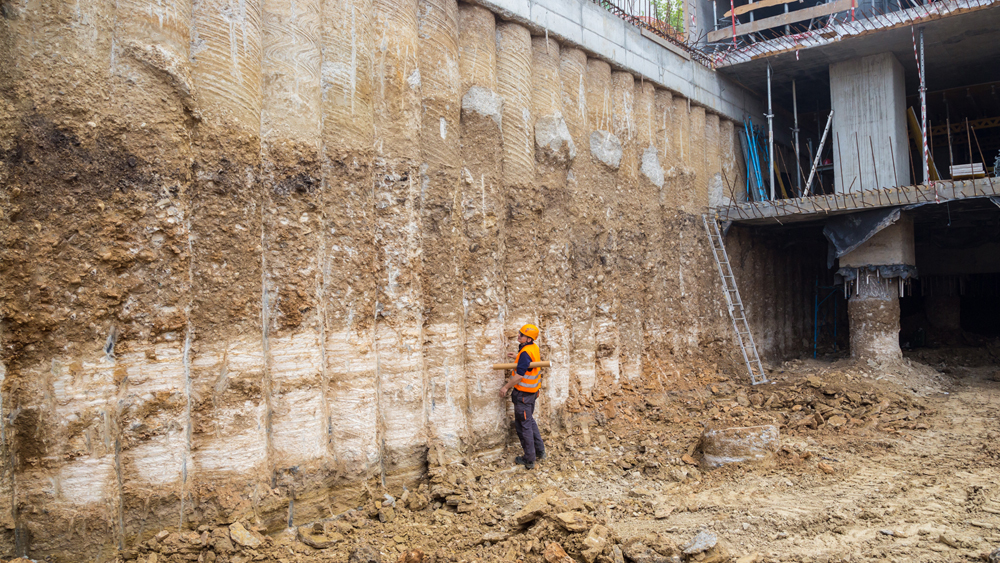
point(721, 446)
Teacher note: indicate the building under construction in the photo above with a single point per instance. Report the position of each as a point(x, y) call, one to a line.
point(892, 155)
point(258, 257)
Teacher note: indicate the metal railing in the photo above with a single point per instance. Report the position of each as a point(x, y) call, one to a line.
point(664, 18)
point(865, 16)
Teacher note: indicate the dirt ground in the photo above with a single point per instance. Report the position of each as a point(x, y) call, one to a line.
point(867, 469)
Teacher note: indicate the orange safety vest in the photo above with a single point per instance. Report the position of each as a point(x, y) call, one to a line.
point(532, 379)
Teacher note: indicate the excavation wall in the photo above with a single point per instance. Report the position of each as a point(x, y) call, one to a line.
point(257, 255)
point(778, 272)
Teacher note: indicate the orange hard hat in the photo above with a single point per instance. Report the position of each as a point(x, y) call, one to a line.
point(530, 330)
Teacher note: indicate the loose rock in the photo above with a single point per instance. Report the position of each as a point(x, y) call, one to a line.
point(412, 556)
point(535, 508)
point(595, 542)
point(662, 511)
point(574, 521)
point(494, 537)
point(364, 554)
point(700, 543)
point(242, 536)
point(554, 553)
point(316, 537)
point(417, 501)
point(616, 554)
point(386, 514)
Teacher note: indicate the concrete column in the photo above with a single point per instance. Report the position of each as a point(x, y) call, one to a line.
point(873, 312)
point(873, 308)
point(514, 84)
point(482, 291)
point(646, 129)
point(400, 380)
point(553, 143)
point(869, 112)
point(442, 239)
point(573, 75)
point(350, 261)
point(623, 120)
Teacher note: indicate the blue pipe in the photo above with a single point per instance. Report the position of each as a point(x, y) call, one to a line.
point(760, 179)
point(752, 151)
point(746, 159)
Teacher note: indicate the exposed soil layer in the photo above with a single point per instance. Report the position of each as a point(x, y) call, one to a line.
point(255, 257)
point(866, 470)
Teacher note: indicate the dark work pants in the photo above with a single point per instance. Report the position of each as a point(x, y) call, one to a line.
point(524, 424)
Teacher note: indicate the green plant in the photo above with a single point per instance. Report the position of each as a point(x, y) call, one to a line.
point(670, 12)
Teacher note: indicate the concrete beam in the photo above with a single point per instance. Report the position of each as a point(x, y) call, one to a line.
point(811, 208)
point(837, 32)
point(890, 246)
point(584, 24)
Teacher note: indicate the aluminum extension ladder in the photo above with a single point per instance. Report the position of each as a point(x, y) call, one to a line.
point(736, 311)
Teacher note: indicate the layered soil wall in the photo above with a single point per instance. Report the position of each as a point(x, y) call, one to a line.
point(259, 256)
point(778, 273)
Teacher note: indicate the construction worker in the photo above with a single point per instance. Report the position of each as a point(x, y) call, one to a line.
point(525, 382)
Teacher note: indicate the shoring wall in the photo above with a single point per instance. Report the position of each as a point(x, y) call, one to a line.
point(256, 254)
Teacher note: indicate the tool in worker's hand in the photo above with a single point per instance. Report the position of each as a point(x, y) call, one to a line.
point(544, 364)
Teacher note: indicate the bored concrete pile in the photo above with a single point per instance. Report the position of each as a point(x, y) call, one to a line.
point(255, 254)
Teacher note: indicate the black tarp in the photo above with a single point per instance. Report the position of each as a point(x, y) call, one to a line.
point(847, 232)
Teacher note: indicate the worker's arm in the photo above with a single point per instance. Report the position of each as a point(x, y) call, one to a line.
point(523, 365)
point(511, 382)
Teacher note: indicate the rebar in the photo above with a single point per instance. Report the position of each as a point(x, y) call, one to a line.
point(857, 149)
point(874, 164)
point(892, 154)
point(985, 171)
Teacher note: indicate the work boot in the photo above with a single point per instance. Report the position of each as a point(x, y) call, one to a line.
point(540, 455)
point(520, 461)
